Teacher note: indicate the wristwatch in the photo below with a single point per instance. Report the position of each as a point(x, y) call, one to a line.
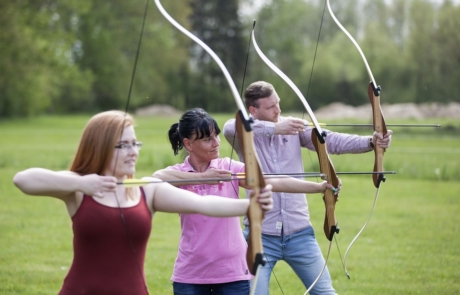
point(371, 142)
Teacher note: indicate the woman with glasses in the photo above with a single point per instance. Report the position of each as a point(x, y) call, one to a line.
point(112, 223)
point(211, 258)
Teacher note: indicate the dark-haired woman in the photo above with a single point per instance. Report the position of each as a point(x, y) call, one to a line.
point(111, 223)
point(211, 258)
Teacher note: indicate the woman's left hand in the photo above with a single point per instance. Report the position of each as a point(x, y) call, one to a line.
point(265, 198)
point(336, 190)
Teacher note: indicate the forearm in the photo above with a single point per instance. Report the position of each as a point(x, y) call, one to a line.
point(177, 177)
point(171, 199)
point(293, 185)
point(342, 143)
point(43, 182)
point(223, 207)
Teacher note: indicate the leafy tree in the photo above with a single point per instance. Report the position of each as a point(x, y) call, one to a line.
point(217, 24)
point(36, 41)
point(447, 40)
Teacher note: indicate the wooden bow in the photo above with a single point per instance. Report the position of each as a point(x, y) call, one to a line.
point(254, 177)
point(373, 92)
point(255, 180)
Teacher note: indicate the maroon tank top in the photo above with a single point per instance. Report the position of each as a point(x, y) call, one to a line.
point(104, 261)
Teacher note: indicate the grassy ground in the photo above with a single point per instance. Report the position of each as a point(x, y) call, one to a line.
point(411, 245)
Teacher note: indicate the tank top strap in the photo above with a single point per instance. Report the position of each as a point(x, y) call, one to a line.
point(143, 194)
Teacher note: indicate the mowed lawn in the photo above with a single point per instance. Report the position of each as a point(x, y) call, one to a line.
point(411, 245)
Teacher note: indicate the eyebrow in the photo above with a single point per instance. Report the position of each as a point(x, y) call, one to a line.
point(126, 141)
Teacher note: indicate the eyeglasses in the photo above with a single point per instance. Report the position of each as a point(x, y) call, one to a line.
point(126, 147)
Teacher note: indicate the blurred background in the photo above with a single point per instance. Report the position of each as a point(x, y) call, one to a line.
point(77, 56)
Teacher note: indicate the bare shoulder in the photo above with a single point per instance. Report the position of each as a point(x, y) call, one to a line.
point(156, 189)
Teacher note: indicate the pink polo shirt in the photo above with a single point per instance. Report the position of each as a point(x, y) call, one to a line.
point(211, 250)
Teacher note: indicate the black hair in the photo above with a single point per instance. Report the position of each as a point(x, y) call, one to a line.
point(193, 122)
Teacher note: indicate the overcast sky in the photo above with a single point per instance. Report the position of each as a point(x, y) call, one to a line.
point(249, 7)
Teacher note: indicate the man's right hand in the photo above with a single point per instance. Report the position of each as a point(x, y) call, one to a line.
point(290, 126)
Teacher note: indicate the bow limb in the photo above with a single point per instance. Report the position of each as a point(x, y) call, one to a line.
point(283, 76)
point(254, 176)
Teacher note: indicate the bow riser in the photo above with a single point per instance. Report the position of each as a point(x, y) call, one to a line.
point(326, 167)
point(255, 180)
point(379, 126)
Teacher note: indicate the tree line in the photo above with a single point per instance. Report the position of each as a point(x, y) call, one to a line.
point(77, 56)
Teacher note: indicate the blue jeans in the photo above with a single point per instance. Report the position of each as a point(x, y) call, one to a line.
point(232, 288)
point(301, 251)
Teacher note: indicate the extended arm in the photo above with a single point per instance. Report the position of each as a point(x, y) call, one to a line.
point(294, 185)
point(61, 184)
point(167, 198)
point(282, 184)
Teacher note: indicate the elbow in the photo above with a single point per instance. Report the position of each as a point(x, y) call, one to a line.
point(19, 180)
point(158, 174)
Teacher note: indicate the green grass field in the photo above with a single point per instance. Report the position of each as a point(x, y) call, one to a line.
point(409, 247)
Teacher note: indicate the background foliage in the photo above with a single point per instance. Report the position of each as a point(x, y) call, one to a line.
point(77, 56)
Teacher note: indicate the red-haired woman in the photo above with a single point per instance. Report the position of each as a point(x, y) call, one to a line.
point(111, 223)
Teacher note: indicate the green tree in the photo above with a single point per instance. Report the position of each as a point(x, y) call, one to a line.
point(447, 39)
point(218, 25)
point(36, 61)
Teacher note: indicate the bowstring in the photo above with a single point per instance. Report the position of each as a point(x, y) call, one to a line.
point(122, 216)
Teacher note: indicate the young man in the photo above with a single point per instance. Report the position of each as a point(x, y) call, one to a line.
point(287, 231)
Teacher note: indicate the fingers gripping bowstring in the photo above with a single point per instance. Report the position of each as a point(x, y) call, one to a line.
point(122, 216)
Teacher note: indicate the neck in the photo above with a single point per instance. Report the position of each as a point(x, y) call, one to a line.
point(198, 164)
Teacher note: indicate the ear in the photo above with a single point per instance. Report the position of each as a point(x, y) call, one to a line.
point(252, 110)
point(187, 144)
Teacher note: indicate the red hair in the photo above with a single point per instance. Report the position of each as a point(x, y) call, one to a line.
point(97, 144)
point(100, 136)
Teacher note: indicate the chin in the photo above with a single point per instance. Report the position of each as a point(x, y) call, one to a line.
point(129, 171)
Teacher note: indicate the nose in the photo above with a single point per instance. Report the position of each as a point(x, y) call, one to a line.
point(216, 141)
point(133, 150)
point(278, 109)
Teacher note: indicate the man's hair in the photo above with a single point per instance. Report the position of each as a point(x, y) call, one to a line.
point(255, 91)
